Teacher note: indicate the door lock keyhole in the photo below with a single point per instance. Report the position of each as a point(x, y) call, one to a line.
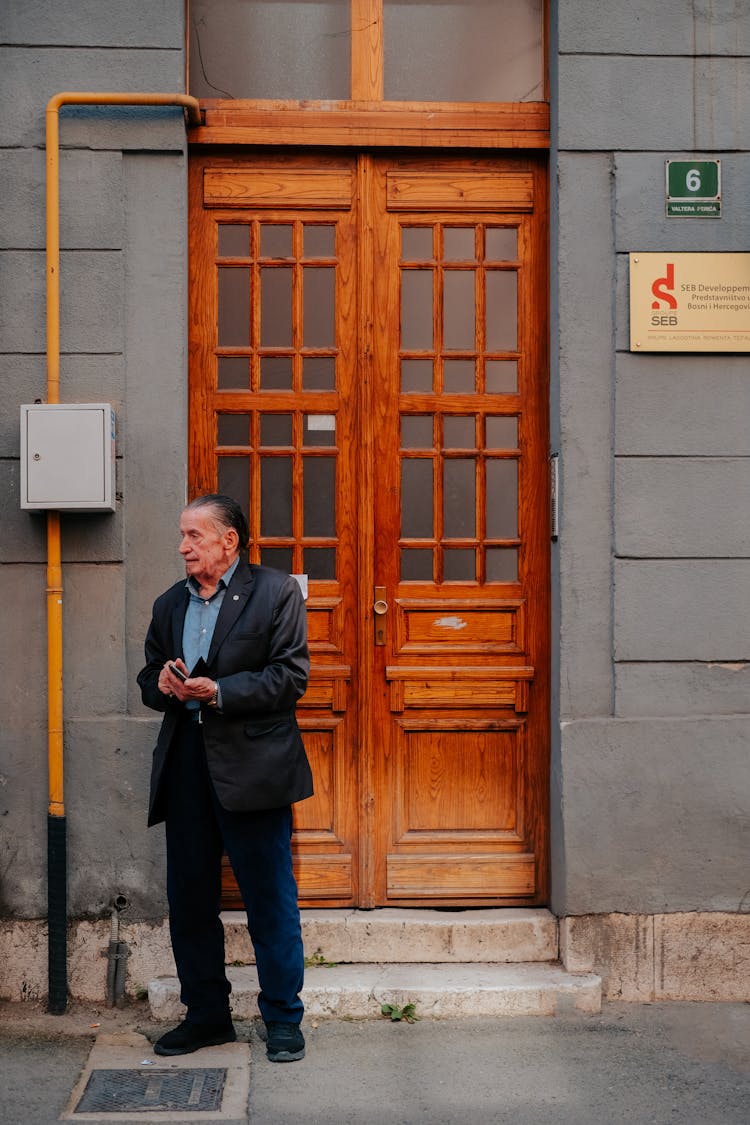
point(380, 609)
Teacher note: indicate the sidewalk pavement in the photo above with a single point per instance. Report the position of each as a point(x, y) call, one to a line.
point(659, 1064)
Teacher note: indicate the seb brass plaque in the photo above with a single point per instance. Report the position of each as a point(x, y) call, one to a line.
point(689, 302)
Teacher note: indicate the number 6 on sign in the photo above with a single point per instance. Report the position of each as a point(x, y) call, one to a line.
point(693, 180)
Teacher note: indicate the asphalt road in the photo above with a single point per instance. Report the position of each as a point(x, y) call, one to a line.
point(682, 1064)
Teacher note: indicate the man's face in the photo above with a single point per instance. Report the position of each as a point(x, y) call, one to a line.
point(206, 548)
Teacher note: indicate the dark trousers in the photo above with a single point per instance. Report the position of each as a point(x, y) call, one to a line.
point(259, 849)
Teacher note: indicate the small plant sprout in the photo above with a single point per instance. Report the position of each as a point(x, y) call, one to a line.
point(318, 959)
point(408, 1013)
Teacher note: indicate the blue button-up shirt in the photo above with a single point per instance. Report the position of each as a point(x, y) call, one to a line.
point(200, 621)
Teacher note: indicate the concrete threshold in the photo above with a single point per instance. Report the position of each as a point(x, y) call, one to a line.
point(438, 991)
point(129, 1056)
point(413, 935)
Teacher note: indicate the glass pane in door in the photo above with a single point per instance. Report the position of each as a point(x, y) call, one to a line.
point(458, 310)
point(416, 498)
point(234, 240)
point(276, 496)
point(233, 327)
point(459, 499)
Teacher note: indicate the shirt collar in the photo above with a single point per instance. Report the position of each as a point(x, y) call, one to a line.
point(223, 582)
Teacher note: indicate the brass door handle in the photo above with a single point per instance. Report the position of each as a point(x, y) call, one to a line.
point(380, 608)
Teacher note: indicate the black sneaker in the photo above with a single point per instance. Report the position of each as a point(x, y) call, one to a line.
point(189, 1037)
point(284, 1041)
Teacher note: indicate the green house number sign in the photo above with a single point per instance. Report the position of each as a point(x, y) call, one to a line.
point(694, 189)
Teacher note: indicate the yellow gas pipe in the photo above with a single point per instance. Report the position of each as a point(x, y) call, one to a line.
point(56, 807)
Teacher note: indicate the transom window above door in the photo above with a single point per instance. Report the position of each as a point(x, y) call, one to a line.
point(455, 51)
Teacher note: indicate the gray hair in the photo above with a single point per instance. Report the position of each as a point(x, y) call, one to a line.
point(227, 512)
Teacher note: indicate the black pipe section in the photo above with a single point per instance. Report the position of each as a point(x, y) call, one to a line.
point(117, 956)
point(121, 968)
point(57, 914)
point(112, 962)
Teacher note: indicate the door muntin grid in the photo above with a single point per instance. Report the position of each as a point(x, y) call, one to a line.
point(276, 367)
point(460, 456)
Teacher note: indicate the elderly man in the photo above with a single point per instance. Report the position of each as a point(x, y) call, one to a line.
point(226, 661)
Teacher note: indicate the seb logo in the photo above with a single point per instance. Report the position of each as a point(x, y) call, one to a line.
point(665, 303)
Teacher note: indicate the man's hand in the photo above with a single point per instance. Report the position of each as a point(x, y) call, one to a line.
point(201, 688)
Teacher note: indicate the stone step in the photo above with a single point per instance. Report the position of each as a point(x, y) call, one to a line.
point(447, 991)
point(412, 936)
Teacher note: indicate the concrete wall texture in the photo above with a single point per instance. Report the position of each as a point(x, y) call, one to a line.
point(650, 770)
point(651, 774)
point(123, 286)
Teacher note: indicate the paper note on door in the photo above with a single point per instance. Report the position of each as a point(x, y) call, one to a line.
point(302, 580)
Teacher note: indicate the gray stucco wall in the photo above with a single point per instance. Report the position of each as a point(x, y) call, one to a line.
point(651, 623)
point(123, 333)
point(651, 770)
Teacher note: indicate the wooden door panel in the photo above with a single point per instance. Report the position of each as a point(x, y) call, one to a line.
point(468, 879)
point(453, 687)
point(272, 421)
point(324, 856)
point(459, 422)
point(459, 625)
point(462, 813)
point(278, 187)
point(462, 189)
point(447, 782)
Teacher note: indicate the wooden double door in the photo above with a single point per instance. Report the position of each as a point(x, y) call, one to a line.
point(368, 377)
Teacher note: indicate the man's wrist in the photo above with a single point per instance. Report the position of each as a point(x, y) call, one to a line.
point(214, 700)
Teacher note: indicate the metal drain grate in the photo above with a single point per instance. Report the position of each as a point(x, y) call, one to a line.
point(191, 1090)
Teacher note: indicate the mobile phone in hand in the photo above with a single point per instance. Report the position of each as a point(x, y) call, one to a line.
point(176, 672)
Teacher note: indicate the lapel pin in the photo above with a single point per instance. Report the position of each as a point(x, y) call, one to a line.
point(235, 597)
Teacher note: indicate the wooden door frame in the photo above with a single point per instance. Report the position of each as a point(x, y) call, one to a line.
point(366, 528)
point(361, 125)
point(297, 128)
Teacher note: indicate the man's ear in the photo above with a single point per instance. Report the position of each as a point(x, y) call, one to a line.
point(231, 539)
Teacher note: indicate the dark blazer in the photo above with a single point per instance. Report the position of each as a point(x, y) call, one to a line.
point(259, 654)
